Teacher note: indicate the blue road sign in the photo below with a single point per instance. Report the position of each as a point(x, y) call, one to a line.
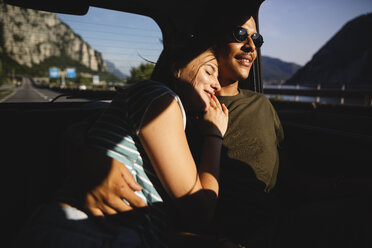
point(70, 73)
point(53, 72)
point(95, 79)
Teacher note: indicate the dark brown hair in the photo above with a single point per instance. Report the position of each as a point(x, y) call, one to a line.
point(177, 53)
point(213, 23)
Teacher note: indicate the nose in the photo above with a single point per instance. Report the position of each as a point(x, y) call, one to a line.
point(216, 85)
point(249, 45)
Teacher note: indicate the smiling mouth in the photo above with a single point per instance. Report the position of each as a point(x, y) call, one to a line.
point(209, 94)
point(244, 60)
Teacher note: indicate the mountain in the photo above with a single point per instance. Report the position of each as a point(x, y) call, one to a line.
point(115, 71)
point(276, 71)
point(345, 59)
point(30, 37)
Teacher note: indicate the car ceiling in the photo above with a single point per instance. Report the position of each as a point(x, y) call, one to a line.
point(180, 14)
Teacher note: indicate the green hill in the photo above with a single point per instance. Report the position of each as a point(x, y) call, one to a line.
point(346, 59)
point(276, 71)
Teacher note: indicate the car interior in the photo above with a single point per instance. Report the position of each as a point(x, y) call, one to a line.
point(327, 147)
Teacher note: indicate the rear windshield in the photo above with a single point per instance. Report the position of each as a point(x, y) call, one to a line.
point(45, 55)
point(312, 52)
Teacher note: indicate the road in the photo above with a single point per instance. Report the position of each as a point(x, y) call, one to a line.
point(28, 93)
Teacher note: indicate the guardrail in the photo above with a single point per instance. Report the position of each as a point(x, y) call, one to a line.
point(366, 95)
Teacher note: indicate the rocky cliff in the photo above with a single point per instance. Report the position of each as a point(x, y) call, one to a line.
point(346, 59)
point(29, 37)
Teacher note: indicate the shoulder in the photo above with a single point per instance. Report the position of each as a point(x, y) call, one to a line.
point(269, 110)
point(255, 95)
point(151, 100)
point(261, 99)
point(140, 96)
point(161, 104)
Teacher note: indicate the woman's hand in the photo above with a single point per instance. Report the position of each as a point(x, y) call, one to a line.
point(216, 118)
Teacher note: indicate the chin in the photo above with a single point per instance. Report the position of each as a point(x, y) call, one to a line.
point(240, 76)
point(243, 74)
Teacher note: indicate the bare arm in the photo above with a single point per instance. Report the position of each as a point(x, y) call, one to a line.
point(164, 140)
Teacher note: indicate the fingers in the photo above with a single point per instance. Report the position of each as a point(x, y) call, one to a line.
point(213, 103)
point(97, 206)
point(127, 189)
point(108, 210)
point(91, 206)
point(133, 199)
point(128, 178)
point(95, 211)
point(225, 110)
point(116, 204)
point(107, 199)
point(133, 185)
point(130, 196)
point(215, 99)
point(108, 206)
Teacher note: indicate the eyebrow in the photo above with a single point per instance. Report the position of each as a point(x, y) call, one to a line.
point(212, 66)
point(249, 31)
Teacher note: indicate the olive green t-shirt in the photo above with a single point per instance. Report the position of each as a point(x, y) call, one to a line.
point(250, 145)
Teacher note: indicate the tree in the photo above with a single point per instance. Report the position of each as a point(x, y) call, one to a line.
point(142, 72)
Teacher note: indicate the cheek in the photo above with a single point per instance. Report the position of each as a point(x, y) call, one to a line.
point(233, 48)
point(227, 56)
point(201, 82)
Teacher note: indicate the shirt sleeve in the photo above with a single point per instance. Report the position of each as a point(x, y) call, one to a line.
point(142, 97)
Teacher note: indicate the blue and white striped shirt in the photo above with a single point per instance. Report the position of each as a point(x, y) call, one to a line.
point(116, 134)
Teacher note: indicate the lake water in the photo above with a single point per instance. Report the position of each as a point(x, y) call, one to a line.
point(336, 100)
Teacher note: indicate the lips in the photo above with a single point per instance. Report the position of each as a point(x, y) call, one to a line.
point(244, 59)
point(209, 93)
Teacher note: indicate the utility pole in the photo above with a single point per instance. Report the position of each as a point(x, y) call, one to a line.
point(342, 100)
point(318, 97)
point(13, 80)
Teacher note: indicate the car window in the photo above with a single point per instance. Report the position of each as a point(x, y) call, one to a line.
point(45, 55)
point(304, 57)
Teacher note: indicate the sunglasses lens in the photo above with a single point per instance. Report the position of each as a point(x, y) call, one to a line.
point(240, 34)
point(257, 40)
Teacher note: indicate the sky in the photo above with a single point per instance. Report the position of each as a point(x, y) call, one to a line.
point(293, 30)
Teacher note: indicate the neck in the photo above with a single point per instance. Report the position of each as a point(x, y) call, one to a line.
point(230, 89)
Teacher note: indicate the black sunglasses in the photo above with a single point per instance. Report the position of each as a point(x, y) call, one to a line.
point(241, 35)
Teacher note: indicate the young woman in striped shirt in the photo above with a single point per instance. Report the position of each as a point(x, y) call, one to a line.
point(143, 129)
